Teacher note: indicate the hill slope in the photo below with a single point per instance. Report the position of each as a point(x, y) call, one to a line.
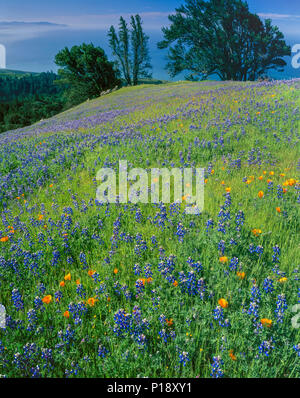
point(126, 290)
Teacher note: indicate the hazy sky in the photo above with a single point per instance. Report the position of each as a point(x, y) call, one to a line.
point(33, 31)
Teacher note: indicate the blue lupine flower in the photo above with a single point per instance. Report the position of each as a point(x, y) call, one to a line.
point(276, 254)
point(137, 269)
point(184, 357)
point(281, 306)
point(297, 349)
point(209, 225)
point(148, 271)
point(102, 351)
point(180, 232)
point(221, 247)
point(32, 319)
point(239, 220)
point(16, 298)
point(268, 285)
point(216, 371)
point(233, 265)
point(266, 347)
point(255, 292)
point(80, 290)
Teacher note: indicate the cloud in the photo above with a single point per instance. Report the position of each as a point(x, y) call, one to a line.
point(151, 20)
point(23, 23)
point(12, 31)
point(287, 23)
point(278, 16)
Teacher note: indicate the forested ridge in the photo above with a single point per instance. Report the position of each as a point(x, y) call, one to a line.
point(25, 99)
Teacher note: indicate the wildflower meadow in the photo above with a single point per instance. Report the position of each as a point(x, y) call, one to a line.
point(95, 289)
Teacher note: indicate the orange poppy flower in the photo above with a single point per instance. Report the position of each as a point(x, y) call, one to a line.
point(91, 301)
point(228, 189)
point(260, 194)
point(223, 303)
point(282, 280)
point(169, 322)
point(241, 275)
point(291, 182)
point(232, 356)
point(175, 283)
point(256, 232)
point(47, 299)
point(4, 239)
point(278, 209)
point(66, 314)
point(62, 284)
point(266, 322)
point(116, 271)
point(223, 259)
point(68, 277)
point(91, 272)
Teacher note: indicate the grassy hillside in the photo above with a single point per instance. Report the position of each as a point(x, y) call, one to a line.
point(127, 290)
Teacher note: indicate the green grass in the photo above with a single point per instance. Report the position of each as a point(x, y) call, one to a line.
point(253, 130)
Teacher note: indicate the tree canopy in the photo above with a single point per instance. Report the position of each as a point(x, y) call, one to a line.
point(130, 47)
point(87, 71)
point(222, 37)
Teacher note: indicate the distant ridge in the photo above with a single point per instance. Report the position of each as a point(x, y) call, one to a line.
point(15, 73)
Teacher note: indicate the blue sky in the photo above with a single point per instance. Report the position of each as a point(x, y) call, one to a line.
point(32, 45)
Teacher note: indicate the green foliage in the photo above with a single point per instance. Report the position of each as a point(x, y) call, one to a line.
point(28, 98)
point(130, 47)
point(222, 37)
point(13, 87)
point(87, 71)
point(20, 113)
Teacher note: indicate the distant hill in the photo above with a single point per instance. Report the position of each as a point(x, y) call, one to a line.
point(16, 73)
point(27, 97)
point(152, 81)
